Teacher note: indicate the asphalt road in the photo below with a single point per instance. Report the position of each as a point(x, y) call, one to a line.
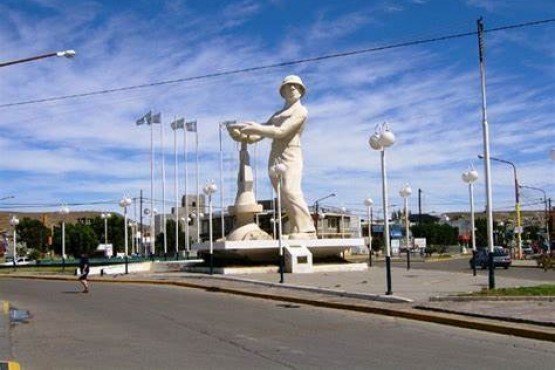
point(155, 327)
point(462, 265)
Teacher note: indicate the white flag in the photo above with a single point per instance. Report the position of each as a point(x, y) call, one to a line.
point(191, 126)
point(178, 123)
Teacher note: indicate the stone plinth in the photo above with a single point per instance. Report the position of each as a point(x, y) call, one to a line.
point(268, 250)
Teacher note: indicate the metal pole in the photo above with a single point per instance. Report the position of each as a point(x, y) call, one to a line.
point(407, 231)
point(63, 245)
point(162, 149)
point(386, 225)
point(210, 234)
point(176, 189)
point(66, 53)
point(222, 216)
point(186, 180)
point(369, 235)
point(152, 231)
point(198, 187)
point(473, 227)
point(281, 258)
point(125, 236)
point(487, 164)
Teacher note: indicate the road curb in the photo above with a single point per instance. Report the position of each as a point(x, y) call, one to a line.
point(444, 318)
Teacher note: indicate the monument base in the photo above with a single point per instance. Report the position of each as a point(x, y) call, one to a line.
point(268, 250)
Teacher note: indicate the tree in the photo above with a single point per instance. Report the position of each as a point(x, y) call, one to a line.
point(436, 234)
point(79, 239)
point(33, 233)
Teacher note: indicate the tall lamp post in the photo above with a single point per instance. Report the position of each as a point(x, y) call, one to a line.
point(487, 161)
point(14, 221)
point(380, 140)
point(518, 228)
point(64, 53)
point(208, 190)
point(64, 210)
point(124, 203)
point(317, 209)
point(105, 216)
point(470, 177)
point(405, 193)
point(546, 213)
point(368, 202)
point(277, 171)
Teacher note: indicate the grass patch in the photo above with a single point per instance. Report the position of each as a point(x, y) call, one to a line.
point(540, 290)
point(37, 270)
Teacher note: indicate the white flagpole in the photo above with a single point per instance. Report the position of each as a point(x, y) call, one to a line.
point(198, 187)
point(176, 188)
point(163, 190)
point(222, 217)
point(152, 231)
point(187, 247)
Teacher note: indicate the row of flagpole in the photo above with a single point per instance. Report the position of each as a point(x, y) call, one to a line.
point(177, 124)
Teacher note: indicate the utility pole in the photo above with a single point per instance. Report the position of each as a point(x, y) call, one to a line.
point(141, 221)
point(419, 206)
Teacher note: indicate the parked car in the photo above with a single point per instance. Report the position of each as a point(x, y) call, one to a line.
point(501, 258)
point(527, 250)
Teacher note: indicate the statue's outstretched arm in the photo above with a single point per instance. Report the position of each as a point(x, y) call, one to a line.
point(290, 126)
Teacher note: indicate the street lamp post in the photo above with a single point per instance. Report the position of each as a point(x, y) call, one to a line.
point(317, 209)
point(209, 189)
point(470, 177)
point(277, 171)
point(105, 216)
point(124, 203)
point(405, 193)
point(487, 161)
point(14, 221)
point(64, 210)
point(64, 53)
point(368, 202)
point(518, 228)
point(380, 140)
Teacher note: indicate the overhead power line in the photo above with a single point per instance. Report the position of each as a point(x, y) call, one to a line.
point(277, 65)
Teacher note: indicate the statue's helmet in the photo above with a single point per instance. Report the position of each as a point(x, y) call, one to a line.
point(292, 79)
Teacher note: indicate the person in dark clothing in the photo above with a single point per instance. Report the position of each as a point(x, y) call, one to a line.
point(84, 266)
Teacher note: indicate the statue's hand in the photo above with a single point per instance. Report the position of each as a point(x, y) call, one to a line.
point(236, 131)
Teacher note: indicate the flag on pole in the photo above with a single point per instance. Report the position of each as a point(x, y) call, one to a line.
point(144, 119)
point(191, 126)
point(178, 124)
point(157, 118)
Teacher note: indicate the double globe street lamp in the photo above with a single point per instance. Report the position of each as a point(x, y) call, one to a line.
point(470, 177)
point(124, 203)
point(208, 190)
point(405, 193)
point(64, 210)
point(368, 202)
point(14, 221)
point(380, 140)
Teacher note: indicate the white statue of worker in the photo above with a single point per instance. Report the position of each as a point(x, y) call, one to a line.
point(285, 127)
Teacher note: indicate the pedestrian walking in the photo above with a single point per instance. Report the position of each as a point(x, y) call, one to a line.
point(84, 266)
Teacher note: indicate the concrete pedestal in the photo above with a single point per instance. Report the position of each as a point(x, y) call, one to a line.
point(298, 259)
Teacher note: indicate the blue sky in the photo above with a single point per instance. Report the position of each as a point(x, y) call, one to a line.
point(89, 151)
